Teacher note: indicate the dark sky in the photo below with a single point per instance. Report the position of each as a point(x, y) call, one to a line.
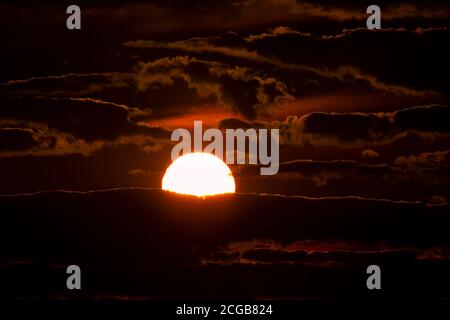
point(360, 112)
point(363, 119)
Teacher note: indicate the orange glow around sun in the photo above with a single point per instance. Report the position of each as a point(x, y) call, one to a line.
point(199, 174)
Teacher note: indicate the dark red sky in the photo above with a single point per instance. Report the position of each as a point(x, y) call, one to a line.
point(364, 147)
point(361, 112)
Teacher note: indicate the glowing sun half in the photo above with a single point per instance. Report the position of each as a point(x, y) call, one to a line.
point(199, 174)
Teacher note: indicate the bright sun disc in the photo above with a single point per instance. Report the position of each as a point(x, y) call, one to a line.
point(199, 174)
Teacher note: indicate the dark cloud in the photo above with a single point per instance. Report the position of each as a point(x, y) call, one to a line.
point(369, 153)
point(425, 161)
point(87, 118)
point(428, 119)
point(356, 128)
point(422, 177)
point(255, 74)
point(283, 48)
point(58, 126)
point(397, 223)
point(46, 141)
point(326, 79)
point(163, 233)
point(115, 87)
point(180, 16)
point(16, 138)
point(244, 90)
point(366, 50)
point(72, 84)
point(362, 128)
point(320, 253)
point(233, 123)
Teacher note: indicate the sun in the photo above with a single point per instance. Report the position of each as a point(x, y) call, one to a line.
point(199, 174)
